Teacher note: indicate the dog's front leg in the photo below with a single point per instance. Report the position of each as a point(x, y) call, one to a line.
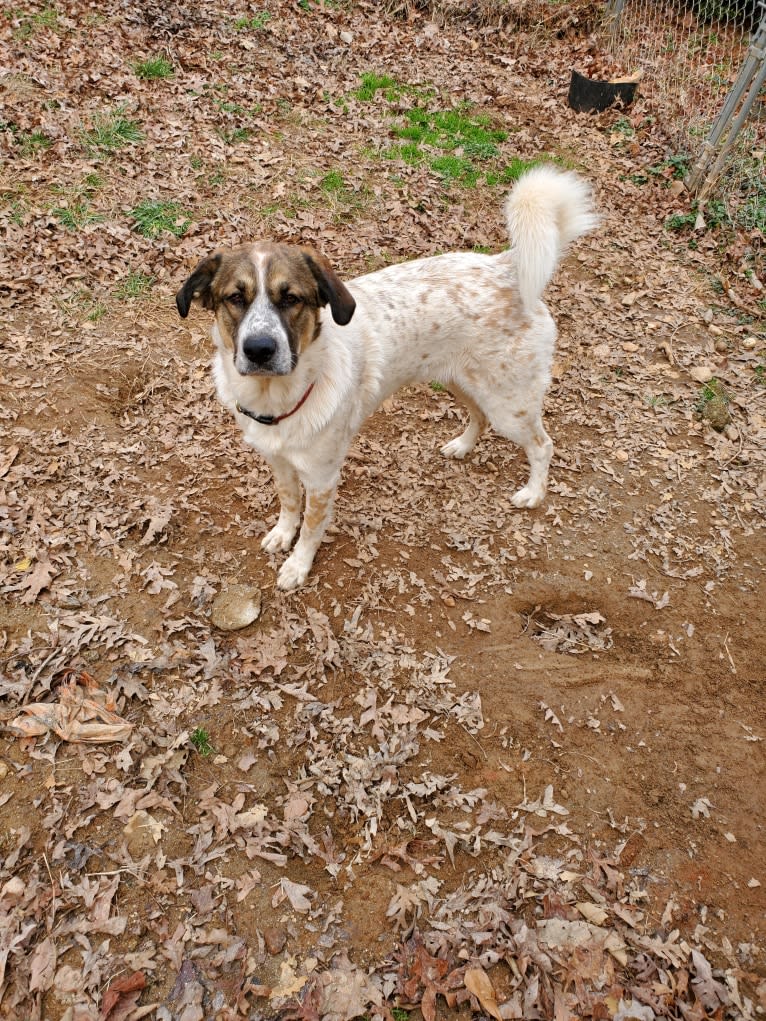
point(289, 491)
point(316, 517)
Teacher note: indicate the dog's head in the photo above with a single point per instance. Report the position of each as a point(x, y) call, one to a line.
point(266, 298)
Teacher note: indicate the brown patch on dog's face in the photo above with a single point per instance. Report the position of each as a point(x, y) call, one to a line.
point(266, 299)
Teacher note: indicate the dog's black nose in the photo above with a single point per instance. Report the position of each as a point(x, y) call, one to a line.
point(258, 348)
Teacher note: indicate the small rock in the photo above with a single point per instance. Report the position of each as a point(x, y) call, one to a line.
point(629, 346)
point(621, 455)
point(236, 607)
point(3, 771)
point(707, 315)
point(731, 433)
point(749, 343)
point(721, 346)
point(275, 939)
point(715, 330)
point(702, 373)
point(347, 38)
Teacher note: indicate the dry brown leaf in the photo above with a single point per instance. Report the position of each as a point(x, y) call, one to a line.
point(478, 982)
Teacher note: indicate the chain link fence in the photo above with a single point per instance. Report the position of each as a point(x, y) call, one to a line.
point(703, 65)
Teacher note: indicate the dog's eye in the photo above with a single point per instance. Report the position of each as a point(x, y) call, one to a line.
point(237, 299)
point(288, 300)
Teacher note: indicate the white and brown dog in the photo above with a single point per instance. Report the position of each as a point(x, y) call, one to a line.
point(301, 382)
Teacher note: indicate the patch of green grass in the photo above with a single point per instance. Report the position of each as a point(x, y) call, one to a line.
point(152, 218)
point(32, 142)
point(437, 387)
point(455, 168)
point(759, 373)
point(253, 23)
point(97, 311)
point(410, 153)
point(225, 106)
point(373, 83)
point(135, 285)
point(112, 131)
point(399, 1014)
point(154, 68)
point(451, 141)
point(235, 135)
point(512, 171)
point(19, 209)
point(200, 739)
point(452, 129)
point(333, 182)
point(76, 214)
point(30, 23)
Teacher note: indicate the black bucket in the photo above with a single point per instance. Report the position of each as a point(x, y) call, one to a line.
point(590, 96)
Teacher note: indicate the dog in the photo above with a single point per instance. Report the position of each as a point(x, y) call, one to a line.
point(300, 380)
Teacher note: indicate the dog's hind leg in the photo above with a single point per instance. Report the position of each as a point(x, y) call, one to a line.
point(522, 423)
point(465, 443)
point(538, 447)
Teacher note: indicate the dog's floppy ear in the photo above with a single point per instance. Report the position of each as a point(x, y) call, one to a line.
point(198, 285)
point(332, 290)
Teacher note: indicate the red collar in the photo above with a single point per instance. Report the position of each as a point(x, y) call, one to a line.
point(273, 419)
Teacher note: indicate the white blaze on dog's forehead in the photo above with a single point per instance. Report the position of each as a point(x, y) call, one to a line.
point(261, 316)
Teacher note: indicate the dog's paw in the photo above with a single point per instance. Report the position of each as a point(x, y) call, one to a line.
point(528, 497)
point(279, 539)
point(292, 573)
point(457, 448)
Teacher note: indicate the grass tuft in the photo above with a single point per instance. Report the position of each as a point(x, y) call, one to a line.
point(200, 739)
point(253, 23)
point(76, 215)
point(135, 285)
point(29, 24)
point(373, 83)
point(333, 183)
point(33, 142)
point(112, 131)
point(152, 218)
point(154, 68)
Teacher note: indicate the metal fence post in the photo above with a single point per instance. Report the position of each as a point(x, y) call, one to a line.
point(723, 134)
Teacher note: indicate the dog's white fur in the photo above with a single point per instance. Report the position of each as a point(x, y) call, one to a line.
point(476, 323)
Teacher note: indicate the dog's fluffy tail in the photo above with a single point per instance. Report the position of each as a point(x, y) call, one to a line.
point(545, 212)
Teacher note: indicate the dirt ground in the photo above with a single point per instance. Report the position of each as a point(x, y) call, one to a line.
point(487, 762)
